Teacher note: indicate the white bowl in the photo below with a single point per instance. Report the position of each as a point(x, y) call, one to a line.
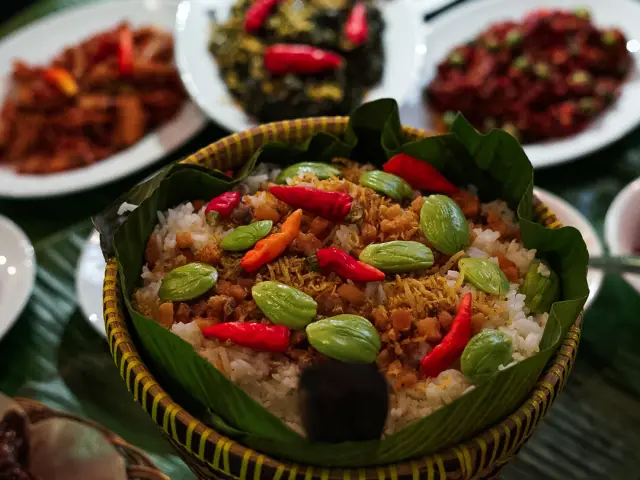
point(622, 226)
point(17, 273)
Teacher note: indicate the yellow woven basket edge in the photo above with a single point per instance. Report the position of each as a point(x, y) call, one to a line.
point(211, 455)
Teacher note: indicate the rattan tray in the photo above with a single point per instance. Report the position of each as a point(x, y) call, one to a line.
point(211, 455)
point(139, 467)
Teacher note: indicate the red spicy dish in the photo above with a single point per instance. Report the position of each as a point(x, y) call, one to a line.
point(93, 100)
point(545, 77)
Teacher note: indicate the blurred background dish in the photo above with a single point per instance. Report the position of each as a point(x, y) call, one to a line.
point(89, 278)
point(570, 216)
point(464, 22)
point(37, 442)
point(17, 272)
point(147, 101)
point(401, 42)
point(305, 59)
point(622, 226)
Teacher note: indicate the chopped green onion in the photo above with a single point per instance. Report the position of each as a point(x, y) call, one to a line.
point(514, 37)
point(457, 59)
point(609, 37)
point(587, 105)
point(583, 13)
point(580, 78)
point(541, 70)
point(521, 63)
point(491, 43)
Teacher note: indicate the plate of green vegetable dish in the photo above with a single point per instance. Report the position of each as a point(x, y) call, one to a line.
point(246, 62)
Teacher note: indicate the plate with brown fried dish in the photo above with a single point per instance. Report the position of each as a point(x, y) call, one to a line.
point(247, 62)
point(90, 95)
point(560, 75)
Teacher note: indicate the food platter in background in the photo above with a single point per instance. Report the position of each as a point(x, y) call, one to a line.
point(569, 216)
point(465, 21)
point(622, 227)
point(69, 28)
point(403, 54)
point(17, 272)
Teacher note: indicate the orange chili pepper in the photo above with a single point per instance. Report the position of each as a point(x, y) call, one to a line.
point(272, 246)
point(62, 80)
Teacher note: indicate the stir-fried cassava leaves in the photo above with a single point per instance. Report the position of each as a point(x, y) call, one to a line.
point(495, 163)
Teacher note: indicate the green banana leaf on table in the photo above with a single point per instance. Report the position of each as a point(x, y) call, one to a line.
point(495, 163)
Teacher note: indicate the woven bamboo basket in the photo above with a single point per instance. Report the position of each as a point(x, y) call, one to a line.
point(213, 456)
point(139, 467)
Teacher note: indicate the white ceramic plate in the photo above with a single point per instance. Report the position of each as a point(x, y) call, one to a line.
point(467, 20)
point(89, 278)
point(403, 44)
point(569, 216)
point(17, 272)
point(622, 225)
point(40, 41)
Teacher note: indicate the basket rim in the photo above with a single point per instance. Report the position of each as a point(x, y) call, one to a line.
point(214, 449)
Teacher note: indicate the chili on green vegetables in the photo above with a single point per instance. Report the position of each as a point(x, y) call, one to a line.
point(357, 28)
point(280, 59)
point(257, 14)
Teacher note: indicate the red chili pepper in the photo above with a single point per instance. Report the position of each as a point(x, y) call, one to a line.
point(420, 175)
point(221, 207)
point(257, 14)
point(282, 58)
point(453, 343)
point(268, 338)
point(345, 265)
point(125, 51)
point(357, 28)
point(62, 79)
point(334, 206)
